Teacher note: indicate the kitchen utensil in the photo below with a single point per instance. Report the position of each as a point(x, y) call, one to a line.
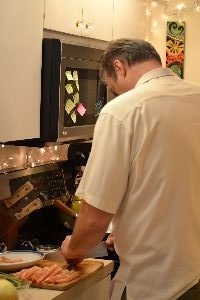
point(64, 208)
point(71, 265)
point(40, 202)
point(25, 189)
point(29, 258)
point(34, 205)
point(99, 251)
point(60, 205)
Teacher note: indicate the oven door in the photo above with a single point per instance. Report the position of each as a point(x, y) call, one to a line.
point(82, 96)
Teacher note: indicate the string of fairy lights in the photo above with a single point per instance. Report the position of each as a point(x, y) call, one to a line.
point(13, 157)
point(171, 10)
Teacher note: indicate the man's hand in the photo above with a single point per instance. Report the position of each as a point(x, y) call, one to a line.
point(64, 250)
point(110, 242)
point(65, 245)
point(89, 230)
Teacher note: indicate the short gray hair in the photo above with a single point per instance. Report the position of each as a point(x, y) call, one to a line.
point(130, 51)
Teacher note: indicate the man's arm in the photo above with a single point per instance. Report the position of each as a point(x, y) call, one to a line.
point(89, 229)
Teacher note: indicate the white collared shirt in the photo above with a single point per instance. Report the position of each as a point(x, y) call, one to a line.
point(144, 167)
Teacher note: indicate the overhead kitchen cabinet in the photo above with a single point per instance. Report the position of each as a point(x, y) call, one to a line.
point(129, 19)
point(91, 18)
point(21, 31)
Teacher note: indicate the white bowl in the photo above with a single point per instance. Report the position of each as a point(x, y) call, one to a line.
point(48, 250)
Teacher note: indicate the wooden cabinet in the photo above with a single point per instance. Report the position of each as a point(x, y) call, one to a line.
point(129, 19)
point(62, 15)
point(21, 30)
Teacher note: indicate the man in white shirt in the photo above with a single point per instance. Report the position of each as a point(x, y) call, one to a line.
point(144, 174)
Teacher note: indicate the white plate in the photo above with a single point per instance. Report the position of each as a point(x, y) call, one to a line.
point(29, 258)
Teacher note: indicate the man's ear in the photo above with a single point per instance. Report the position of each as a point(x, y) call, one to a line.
point(120, 68)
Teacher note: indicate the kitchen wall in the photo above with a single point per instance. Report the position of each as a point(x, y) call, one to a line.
point(157, 34)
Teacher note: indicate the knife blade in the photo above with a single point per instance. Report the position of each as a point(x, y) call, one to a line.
point(99, 251)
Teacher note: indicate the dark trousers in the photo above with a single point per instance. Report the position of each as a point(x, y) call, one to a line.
point(192, 294)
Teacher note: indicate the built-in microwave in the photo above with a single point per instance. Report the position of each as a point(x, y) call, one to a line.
point(72, 92)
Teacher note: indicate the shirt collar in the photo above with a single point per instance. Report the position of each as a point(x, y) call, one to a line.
point(156, 73)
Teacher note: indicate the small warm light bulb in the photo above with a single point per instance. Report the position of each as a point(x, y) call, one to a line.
point(180, 6)
point(33, 165)
point(148, 12)
point(164, 17)
point(154, 3)
point(2, 145)
point(56, 148)
point(42, 150)
point(10, 157)
point(155, 24)
point(198, 8)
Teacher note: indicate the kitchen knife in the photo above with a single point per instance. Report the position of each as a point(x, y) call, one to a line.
point(99, 251)
point(57, 203)
point(34, 205)
point(37, 203)
point(64, 208)
point(25, 189)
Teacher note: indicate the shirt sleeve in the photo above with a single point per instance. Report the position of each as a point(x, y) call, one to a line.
point(105, 177)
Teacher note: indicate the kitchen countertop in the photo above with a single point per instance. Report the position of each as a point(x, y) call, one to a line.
point(96, 286)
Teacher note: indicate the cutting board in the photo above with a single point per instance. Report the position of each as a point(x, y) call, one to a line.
point(87, 268)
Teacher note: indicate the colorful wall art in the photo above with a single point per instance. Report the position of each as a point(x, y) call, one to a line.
point(175, 42)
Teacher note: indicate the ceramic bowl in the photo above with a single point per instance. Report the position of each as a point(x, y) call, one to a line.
point(48, 250)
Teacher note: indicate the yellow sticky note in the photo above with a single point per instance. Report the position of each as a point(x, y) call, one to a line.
point(69, 88)
point(76, 98)
point(68, 74)
point(75, 75)
point(69, 105)
point(77, 85)
point(73, 117)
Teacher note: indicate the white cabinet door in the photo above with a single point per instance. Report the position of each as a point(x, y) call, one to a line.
point(129, 19)
point(21, 30)
point(100, 14)
point(63, 15)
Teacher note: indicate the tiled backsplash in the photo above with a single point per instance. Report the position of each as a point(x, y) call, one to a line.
point(17, 157)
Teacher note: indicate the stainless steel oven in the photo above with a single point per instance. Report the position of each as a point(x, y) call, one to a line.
point(72, 92)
